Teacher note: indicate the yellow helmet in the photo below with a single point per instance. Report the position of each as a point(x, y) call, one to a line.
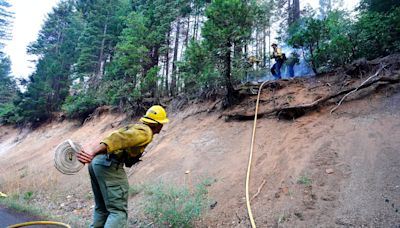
point(156, 115)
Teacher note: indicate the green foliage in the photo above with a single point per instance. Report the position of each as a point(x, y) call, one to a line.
point(308, 34)
point(7, 113)
point(335, 47)
point(198, 70)
point(380, 6)
point(229, 24)
point(120, 93)
point(337, 40)
point(21, 203)
point(376, 34)
point(7, 84)
point(6, 17)
point(137, 53)
point(116, 48)
point(135, 189)
point(48, 86)
point(28, 195)
point(8, 87)
point(103, 21)
point(80, 106)
point(32, 106)
point(170, 206)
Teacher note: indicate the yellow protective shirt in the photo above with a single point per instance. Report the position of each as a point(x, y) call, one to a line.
point(130, 140)
point(277, 53)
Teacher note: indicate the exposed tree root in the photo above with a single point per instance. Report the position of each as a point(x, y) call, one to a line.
point(293, 112)
point(258, 190)
point(355, 90)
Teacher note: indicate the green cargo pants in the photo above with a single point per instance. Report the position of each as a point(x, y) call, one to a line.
point(110, 188)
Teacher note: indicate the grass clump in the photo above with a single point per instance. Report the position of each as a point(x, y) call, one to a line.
point(21, 203)
point(135, 189)
point(172, 206)
point(304, 180)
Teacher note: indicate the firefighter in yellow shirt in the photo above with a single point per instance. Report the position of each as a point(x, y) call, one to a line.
point(106, 161)
point(279, 59)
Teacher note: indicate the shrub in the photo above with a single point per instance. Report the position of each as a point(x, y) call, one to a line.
point(7, 113)
point(80, 106)
point(171, 206)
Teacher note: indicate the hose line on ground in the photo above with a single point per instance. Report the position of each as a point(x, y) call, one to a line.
point(253, 224)
point(39, 223)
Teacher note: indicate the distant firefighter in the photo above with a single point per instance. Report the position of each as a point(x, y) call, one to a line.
point(293, 59)
point(279, 59)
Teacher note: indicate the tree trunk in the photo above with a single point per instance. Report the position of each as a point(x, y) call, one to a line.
point(194, 37)
point(257, 45)
point(246, 56)
point(314, 68)
point(153, 54)
point(238, 51)
point(231, 93)
point(293, 11)
point(290, 13)
point(175, 59)
point(269, 45)
point(167, 65)
point(296, 10)
point(264, 48)
point(187, 32)
point(101, 57)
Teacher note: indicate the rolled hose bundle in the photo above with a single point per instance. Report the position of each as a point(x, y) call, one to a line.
point(65, 159)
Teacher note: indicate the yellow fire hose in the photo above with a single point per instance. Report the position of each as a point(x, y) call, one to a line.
point(253, 224)
point(39, 223)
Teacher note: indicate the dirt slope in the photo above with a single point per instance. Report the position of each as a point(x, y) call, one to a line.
point(320, 170)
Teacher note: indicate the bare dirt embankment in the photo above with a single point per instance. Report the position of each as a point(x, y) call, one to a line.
point(319, 170)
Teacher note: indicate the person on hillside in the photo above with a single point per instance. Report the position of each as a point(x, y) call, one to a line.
point(279, 59)
point(291, 61)
point(106, 166)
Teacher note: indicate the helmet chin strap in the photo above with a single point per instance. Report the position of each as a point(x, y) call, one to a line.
point(151, 119)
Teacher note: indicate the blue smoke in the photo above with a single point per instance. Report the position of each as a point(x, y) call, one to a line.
point(301, 69)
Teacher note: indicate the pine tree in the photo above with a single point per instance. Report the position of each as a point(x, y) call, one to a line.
point(6, 17)
point(7, 84)
point(229, 22)
point(103, 23)
point(142, 42)
point(55, 48)
point(8, 88)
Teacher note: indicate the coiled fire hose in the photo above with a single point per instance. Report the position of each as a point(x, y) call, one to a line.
point(39, 223)
point(65, 159)
point(66, 162)
point(253, 224)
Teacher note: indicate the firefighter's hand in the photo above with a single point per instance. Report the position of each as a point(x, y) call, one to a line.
point(85, 157)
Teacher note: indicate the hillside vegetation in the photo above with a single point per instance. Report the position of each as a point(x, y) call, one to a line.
point(130, 55)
